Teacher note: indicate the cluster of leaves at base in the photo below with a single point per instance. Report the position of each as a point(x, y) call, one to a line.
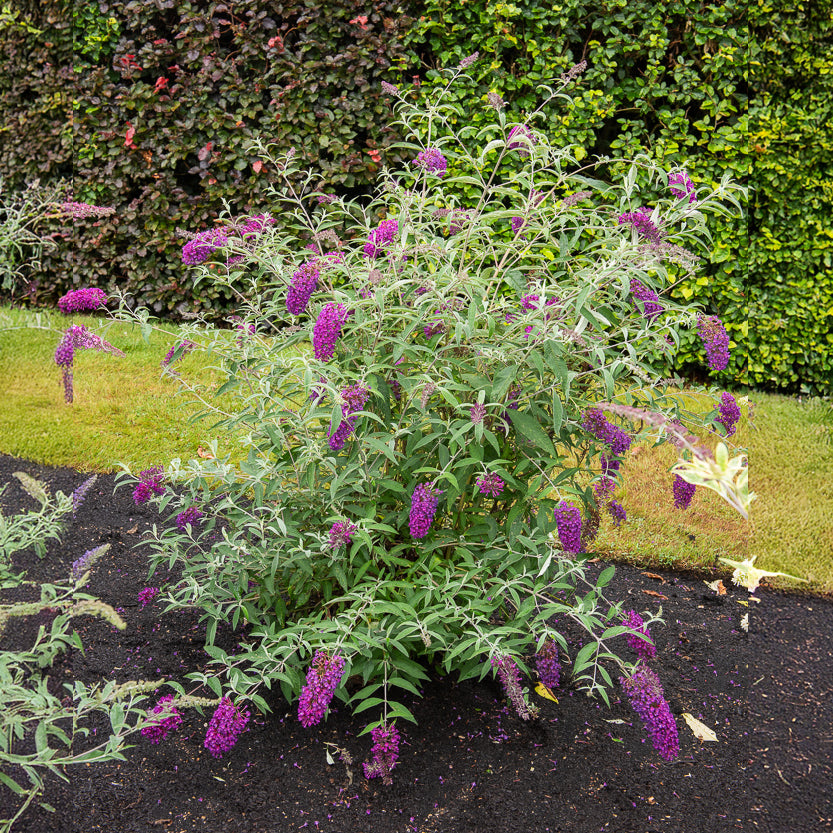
point(429, 333)
point(28, 708)
point(159, 123)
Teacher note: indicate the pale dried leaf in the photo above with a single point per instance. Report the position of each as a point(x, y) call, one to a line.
point(701, 731)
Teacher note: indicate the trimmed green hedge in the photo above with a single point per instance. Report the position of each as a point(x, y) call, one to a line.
point(195, 81)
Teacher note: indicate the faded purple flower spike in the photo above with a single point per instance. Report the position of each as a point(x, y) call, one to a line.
point(81, 492)
point(384, 753)
point(163, 720)
point(641, 221)
point(648, 700)
point(546, 661)
point(327, 329)
point(683, 492)
point(491, 484)
point(184, 347)
point(715, 340)
point(682, 187)
point(729, 415)
point(495, 101)
point(431, 161)
point(76, 300)
point(568, 519)
point(147, 595)
point(83, 210)
point(190, 517)
point(86, 561)
point(323, 678)
point(226, 725)
point(424, 502)
point(390, 89)
point(643, 649)
point(477, 412)
point(468, 61)
point(510, 678)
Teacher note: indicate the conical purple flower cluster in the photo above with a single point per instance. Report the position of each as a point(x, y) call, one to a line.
point(513, 141)
point(191, 516)
point(510, 677)
point(549, 668)
point(354, 398)
point(431, 161)
point(380, 237)
point(681, 186)
point(327, 329)
point(648, 700)
point(203, 246)
point(150, 482)
point(491, 484)
point(147, 595)
point(683, 492)
point(184, 346)
point(649, 299)
point(424, 503)
point(715, 340)
point(74, 338)
point(304, 283)
point(385, 753)
point(729, 415)
point(160, 727)
point(641, 221)
point(646, 650)
point(341, 534)
point(76, 300)
point(619, 442)
point(323, 678)
point(226, 725)
point(80, 493)
point(568, 519)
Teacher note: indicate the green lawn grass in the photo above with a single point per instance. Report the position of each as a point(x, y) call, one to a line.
point(127, 411)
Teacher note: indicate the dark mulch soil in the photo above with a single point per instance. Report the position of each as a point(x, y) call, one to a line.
point(471, 766)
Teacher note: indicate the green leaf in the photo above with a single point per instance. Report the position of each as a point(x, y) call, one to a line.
point(529, 427)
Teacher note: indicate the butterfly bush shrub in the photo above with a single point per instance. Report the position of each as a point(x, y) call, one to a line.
point(420, 422)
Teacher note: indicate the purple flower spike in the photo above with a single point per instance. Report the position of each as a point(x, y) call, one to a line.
point(715, 340)
point(617, 512)
point(304, 283)
point(682, 187)
point(649, 298)
point(341, 534)
point(521, 146)
point(491, 484)
point(510, 678)
point(384, 753)
point(549, 668)
point(354, 398)
point(323, 678)
point(729, 413)
point(477, 412)
point(641, 221)
point(380, 237)
point(424, 503)
point(190, 516)
point(643, 649)
point(150, 482)
point(648, 700)
point(159, 726)
point(683, 492)
point(568, 518)
point(431, 161)
point(327, 329)
point(203, 246)
point(76, 300)
point(226, 725)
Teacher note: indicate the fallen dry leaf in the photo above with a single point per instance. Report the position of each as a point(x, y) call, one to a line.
point(654, 575)
point(133, 530)
point(654, 593)
point(206, 455)
point(717, 586)
point(542, 691)
point(701, 731)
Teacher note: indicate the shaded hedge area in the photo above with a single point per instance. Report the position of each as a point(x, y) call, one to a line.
point(154, 115)
point(151, 106)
